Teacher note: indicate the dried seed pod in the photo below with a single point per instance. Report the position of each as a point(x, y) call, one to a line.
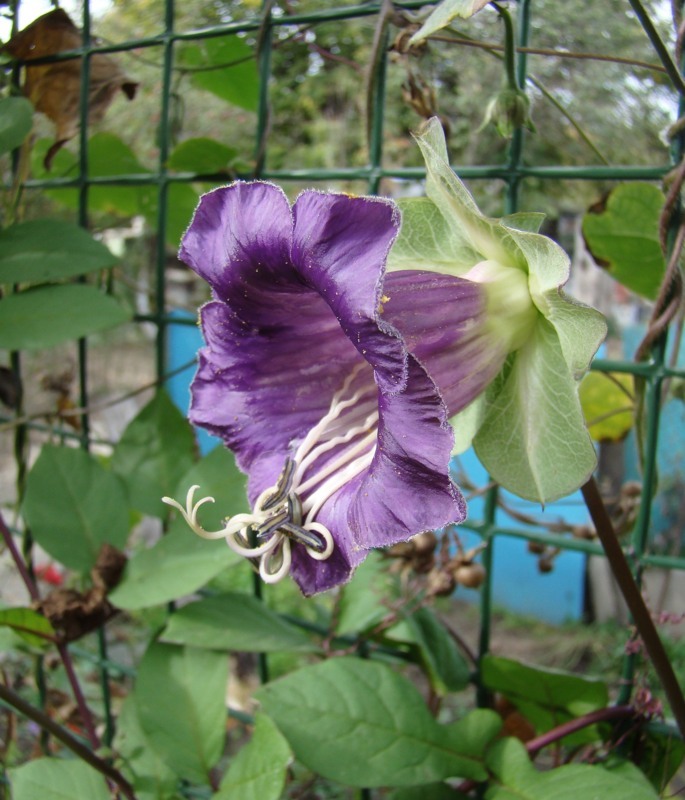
point(536, 548)
point(425, 542)
point(545, 564)
point(471, 576)
point(441, 583)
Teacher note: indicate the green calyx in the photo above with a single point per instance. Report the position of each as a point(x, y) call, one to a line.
point(511, 313)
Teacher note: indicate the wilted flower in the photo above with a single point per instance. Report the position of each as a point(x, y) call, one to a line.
point(322, 377)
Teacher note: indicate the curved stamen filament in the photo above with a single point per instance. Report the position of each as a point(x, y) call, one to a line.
point(315, 500)
point(326, 536)
point(251, 552)
point(189, 514)
point(281, 570)
point(329, 444)
point(340, 461)
point(338, 405)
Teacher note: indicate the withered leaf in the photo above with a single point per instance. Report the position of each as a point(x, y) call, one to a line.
point(74, 614)
point(55, 88)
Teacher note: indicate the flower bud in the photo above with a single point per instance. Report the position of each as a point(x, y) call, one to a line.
point(509, 111)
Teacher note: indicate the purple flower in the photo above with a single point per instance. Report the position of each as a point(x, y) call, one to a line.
point(322, 375)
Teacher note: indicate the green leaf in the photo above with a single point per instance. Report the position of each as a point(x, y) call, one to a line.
point(73, 506)
point(545, 697)
point(364, 601)
point(47, 250)
point(49, 315)
point(259, 770)
point(33, 627)
point(660, 756)
point(140, 764)
point(359, 723)
point(444, 13)
point(16, 119)
point(202, 156)
point(608, 405)
point(224, 66)
point(57, 779)
point(180, 694)
point(436, 650)
point(181, 562)
point(519, 780)
point(234, 621)
point(108, 156)
point(182, 201)
point(431, 791)
point(178, 564)
point(155, 451)
point(622, 234)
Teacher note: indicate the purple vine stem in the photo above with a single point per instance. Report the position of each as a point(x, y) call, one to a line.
point(19, 561)
point(635, 602)
point(31, 712)
point(533, 746)
point(84, 711)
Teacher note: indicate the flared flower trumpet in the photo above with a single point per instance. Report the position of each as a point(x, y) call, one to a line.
point(326, 378)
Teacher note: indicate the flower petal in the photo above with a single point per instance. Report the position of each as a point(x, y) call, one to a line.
point(441, 319)
point(244, 228)
point(340, 246)
point(407, 489)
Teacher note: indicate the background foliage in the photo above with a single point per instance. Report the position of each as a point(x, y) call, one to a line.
point(375, 690)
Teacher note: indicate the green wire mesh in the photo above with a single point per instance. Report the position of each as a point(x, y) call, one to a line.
point(513, 172)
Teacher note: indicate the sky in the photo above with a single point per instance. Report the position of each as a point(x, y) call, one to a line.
point(30, 9)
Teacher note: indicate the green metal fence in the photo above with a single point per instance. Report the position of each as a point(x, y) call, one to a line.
point(513, 171)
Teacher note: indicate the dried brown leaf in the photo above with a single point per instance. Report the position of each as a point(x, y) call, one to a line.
point(55, 88)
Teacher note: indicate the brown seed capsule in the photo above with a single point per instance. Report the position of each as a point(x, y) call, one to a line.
point(441, 583)
point(425, 542)
point(537, 548)
point(470, 576)
point(546, 564)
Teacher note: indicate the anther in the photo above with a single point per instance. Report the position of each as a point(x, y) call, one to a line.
point(272, 523)
point(306, 537)
point(283, 486)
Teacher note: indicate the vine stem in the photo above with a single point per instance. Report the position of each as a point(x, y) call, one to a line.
point(659, 46)
point(11, 698)
point(509, 46)
point(19, 561)
point(533, 746)
point(84, 711)
point(634, 600)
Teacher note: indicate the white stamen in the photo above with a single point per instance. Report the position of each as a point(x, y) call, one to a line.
point(324, 447)
point(328, 538)
point(251, 552)
point(338, 462)
point(283, 570)
point(314, 502)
